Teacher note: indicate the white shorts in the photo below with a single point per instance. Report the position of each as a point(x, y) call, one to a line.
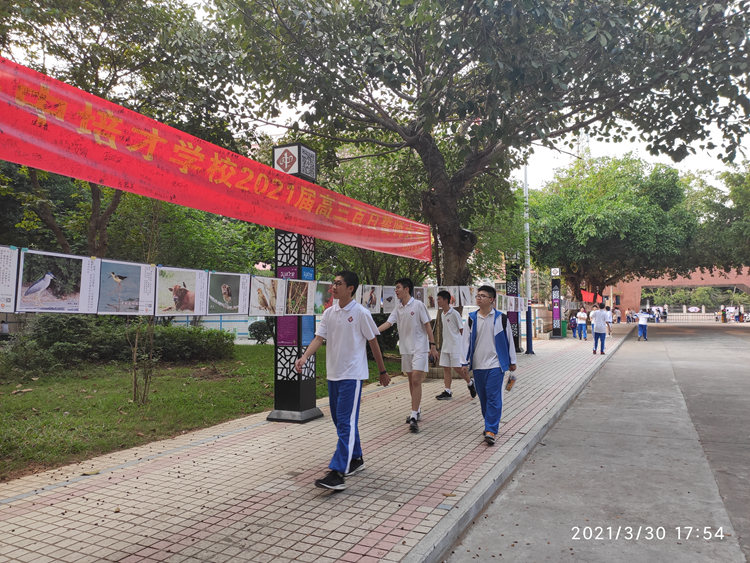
point(415, 362)
point(450, 360)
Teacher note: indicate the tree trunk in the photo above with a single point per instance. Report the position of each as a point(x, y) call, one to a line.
point(44, 212)
point(98, 222)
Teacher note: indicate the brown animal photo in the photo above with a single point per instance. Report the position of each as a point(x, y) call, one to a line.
point(176, 292)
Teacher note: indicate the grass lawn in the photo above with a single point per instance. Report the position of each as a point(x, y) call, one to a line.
point(81, 413)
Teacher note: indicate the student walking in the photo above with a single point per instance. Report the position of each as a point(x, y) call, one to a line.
point(346, 326)
point(415, 342)
point(643, 318)
point(490, 353)
point(581, 324)
point(451, 356)
point(618, 315)
point(601, 324)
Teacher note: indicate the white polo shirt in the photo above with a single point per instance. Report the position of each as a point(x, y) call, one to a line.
point(346, 331)
point(485, 355)
point(410, 318)
point(452, 325)
point(599, 320)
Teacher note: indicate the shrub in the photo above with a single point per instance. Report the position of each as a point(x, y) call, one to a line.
point(64, 340)
point(260, 331)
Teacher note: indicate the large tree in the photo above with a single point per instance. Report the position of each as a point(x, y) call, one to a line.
point(491, 78)
point(152, 56)
point(605, 219)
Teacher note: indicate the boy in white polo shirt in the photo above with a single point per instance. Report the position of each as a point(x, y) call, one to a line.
point(451, 353)
point(415, 342)
point(346, 326)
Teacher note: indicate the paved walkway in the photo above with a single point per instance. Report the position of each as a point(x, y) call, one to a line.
point(242, 491)
point(650, 464)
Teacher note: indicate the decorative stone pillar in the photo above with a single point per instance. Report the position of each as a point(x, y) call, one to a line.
point(556, 316)
point(512, 277)
point(294, 393)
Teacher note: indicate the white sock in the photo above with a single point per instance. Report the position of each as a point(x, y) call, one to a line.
point(414, 414)
point(448, 391)
point(471, 382)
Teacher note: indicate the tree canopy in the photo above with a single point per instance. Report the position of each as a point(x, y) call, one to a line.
point(606, 219)
point(492, 78)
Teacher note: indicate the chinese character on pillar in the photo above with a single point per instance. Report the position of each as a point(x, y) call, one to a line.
point(294, 393)
point(512, 277)
point(556, 316)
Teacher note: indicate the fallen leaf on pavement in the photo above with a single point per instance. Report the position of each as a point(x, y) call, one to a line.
point(448, 495)
point(117, 509)
point(90, 472)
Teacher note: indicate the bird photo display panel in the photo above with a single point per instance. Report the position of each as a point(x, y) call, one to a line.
point(267, 297)
point(371, 298)
point(126, 288)
point(430, 297)
point(180, 291)
point(389, 298)
point(8, 278)
point(465, 293)
point(228, 294)
point(57, 283)
point(300, 297)
point(323, 297)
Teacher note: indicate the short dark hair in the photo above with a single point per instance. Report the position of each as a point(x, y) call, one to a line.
point(607, 307)
point(601, 305)
point(489, 290)
point(445, 295)
point(350, 279)
point(406, 283)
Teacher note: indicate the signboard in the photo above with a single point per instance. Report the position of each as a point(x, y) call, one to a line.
point(8, 277)
point(181, 291)
point(126, 288)
point(556, 316)
point(50, 125)
point(57, 283)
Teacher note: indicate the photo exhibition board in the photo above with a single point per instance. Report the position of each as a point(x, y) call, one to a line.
point(419, 294)
point(371, 298)
point(126, 288)
point(453, 290)
point(267, 297)
point(389, 298)
point(323, 297)
point(430, 297)
point(57, 283)
point(228, 294)
point(181, 291)
point(300, 298)
point(8, 277)
point(464, 292)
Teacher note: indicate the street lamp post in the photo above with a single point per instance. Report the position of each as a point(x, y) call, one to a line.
point(529, 335)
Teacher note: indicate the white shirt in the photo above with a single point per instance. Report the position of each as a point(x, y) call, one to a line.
point(347, 331)
point(643, 318)
point(452, 325)
point(485, 355)
point(582, 316)
point(410, 318)
point(618, 313)
point(4, 328)
point(599, 319)
point(609, 316)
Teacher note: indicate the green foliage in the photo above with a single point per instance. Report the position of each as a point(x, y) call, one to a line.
point(711, 297)
point(54, 341)
point(260, 331)
point(605, 219)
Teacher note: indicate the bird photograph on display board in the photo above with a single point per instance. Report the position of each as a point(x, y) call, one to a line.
point(223, 293)
point(323, 297)
point(119, 287)
point(264, 296)
point(389, 298)
point(50, 283)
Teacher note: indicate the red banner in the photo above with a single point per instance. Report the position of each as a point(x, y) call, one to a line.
point(588, 297)
point(52, 126)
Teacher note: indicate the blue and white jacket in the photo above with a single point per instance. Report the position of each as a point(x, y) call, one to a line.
point(504, 345)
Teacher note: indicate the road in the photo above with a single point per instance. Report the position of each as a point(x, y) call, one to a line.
point(649, 462)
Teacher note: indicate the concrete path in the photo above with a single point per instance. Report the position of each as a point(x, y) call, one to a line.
point(649, 464)
point(243, 491)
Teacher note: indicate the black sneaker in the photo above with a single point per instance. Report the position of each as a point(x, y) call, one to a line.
point(489, 437)
point(444, 396)
point(333, 481)
point(419, 417)
point(413, 426)
point(472, 389)
point(355, 466)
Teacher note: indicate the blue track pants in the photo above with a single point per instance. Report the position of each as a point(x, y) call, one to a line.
point(344, 397)
point(582, 330)
point(489, 384)
point(597, 337)
point(643, 331)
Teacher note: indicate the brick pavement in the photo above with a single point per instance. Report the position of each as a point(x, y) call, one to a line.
point(242, 491)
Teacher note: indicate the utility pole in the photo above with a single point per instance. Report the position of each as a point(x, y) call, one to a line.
point(529, 335)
